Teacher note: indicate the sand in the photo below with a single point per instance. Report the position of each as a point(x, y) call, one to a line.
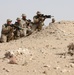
point(41, 52)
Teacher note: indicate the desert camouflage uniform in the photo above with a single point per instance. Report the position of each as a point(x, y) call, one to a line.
point(6, 33)
point(23, 23)
point(28, 28)
point(38, 21)
point(18, 31)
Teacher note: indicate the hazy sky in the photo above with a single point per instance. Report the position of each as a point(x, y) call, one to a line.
point(61, 9)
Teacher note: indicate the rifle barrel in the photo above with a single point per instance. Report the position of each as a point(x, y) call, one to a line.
point(52, 16)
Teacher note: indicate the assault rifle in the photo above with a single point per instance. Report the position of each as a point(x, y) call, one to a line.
point(44, 16)
point(16, 27)
point(29, 22)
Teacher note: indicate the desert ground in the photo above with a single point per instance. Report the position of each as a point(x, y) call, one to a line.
point(42, 53)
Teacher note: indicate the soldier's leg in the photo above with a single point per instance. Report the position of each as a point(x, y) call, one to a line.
point(25, 31)
point(21, 33)
point(10, 37)
point(3, 38)
point(34, 27)
point(18, 34)
point(39, 27)
point(29, 32)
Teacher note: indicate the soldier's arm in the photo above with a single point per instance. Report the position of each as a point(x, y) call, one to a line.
point(43, 18)
point(35, 20)
point(22, 24)
point(5, 29)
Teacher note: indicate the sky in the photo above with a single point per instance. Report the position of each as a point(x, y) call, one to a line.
point(60, 9)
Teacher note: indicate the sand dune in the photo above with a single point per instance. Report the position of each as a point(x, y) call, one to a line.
point(41, 53)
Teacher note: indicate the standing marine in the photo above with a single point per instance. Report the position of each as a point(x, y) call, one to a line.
point(38, 21)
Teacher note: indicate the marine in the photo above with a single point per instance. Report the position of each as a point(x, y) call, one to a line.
point(7, 31)
point(18, 29)
point(29, 25)
point(38, 21)
point(23, 23)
